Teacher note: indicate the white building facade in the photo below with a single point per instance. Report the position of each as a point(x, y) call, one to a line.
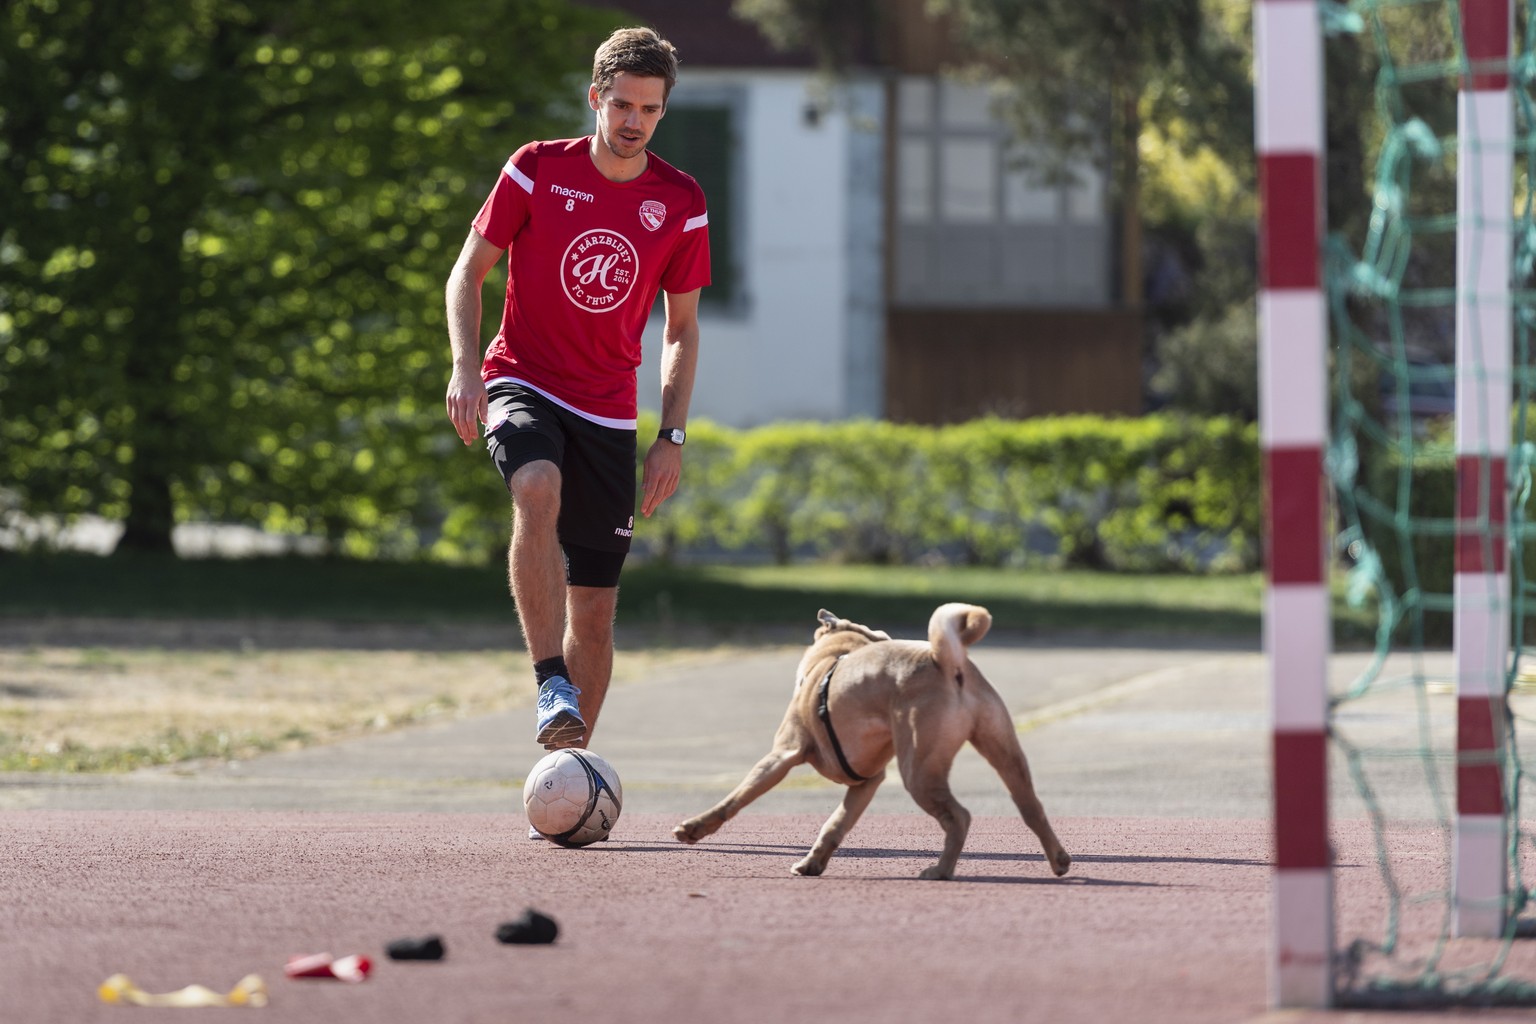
point(795, 329)
point(880, 246)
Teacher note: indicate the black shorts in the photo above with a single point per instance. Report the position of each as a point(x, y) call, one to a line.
point(597, 475)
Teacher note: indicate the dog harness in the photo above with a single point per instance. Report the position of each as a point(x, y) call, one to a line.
point(825, 715)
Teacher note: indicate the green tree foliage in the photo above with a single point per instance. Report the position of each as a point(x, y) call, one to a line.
point(1067, 65)
point(224, 231)
point(1083, 76)
point(831, 29)
point(1209, 366)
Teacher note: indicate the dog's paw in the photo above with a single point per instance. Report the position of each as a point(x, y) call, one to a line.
point(687, 832)
point(809, 867)
point(936, 873)
point(1062, 863)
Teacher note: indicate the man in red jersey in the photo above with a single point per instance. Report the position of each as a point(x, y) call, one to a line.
point(596, 227)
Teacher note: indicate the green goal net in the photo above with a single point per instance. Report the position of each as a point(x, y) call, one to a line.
point(1392, 461)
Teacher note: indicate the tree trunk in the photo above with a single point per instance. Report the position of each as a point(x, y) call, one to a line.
point(151, 435)
point(150, 514)
point(149, 385)
point(1131, 275)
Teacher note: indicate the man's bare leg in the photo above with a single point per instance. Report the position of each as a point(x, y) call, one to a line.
point(589, 646)
point(535, 564)
point(536, 570)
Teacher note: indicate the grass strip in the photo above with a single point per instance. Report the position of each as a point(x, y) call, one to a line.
point(706, 597)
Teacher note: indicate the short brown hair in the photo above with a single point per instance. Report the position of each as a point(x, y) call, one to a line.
point(635, 51)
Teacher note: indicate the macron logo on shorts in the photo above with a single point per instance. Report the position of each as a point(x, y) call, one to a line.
point(620, 531)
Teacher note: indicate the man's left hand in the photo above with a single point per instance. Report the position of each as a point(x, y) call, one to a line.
point(663, 469)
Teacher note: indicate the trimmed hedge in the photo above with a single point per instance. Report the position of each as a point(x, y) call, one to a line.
point(1147, 494)
point(1408, 517)
point(1414, 543)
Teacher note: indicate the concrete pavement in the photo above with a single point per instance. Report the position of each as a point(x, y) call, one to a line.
point(1112, 728)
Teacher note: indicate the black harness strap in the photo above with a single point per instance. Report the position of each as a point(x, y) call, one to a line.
point(826, 719)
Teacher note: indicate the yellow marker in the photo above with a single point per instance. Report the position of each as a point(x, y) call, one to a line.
point(120, 989)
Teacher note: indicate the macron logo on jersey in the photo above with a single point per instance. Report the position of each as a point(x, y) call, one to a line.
point(571, 193)
point(526, 184)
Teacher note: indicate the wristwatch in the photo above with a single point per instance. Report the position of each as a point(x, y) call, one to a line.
point(674, 434)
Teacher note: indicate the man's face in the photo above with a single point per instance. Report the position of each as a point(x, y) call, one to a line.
point(627, 113)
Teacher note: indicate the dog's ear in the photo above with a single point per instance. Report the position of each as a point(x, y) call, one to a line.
point(826, 618)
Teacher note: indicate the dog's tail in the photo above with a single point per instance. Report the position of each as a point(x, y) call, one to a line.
point(953, 628)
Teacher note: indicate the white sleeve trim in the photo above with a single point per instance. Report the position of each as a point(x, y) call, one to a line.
point(692, 222)
point(519, 177)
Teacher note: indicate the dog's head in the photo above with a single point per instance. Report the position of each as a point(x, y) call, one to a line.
point(834, 637)
point(830, 623)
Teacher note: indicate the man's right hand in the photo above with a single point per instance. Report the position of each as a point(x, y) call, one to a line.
point(467, 403)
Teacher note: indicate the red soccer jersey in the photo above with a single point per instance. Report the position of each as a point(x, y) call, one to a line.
point(588, 256)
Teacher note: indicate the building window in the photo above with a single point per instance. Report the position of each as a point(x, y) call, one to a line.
point(974, 225)
point(957, 163)
point(700, 140)
point(968, 169)
point(1026, 200)
point(914, 181)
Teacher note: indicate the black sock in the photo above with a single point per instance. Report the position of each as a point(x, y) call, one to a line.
point(543, 670)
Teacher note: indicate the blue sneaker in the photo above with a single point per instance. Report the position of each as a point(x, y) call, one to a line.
point(560, 722)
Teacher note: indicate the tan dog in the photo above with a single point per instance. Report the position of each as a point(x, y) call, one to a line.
point(862, 698)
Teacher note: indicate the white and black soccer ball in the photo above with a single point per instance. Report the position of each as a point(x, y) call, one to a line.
point(573, 797)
